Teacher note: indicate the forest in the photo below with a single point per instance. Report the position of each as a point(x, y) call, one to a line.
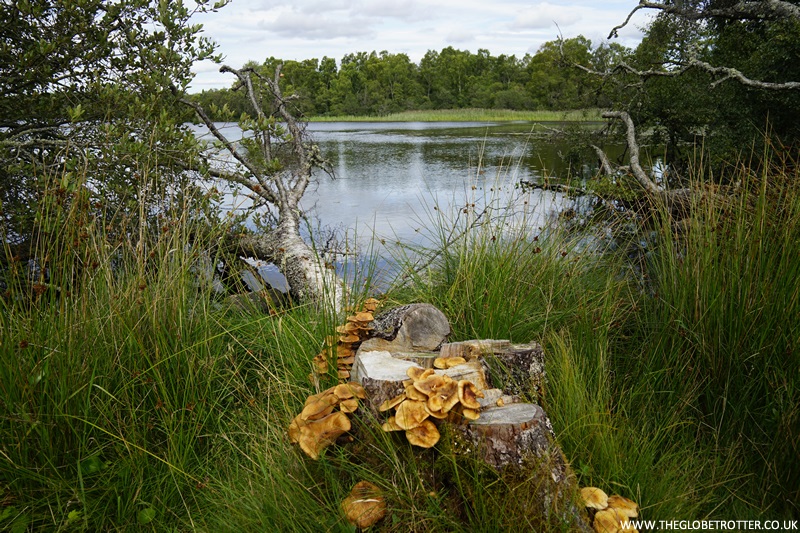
point(370, 83)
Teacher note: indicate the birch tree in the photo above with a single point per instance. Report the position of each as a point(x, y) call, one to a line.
point(274, 164)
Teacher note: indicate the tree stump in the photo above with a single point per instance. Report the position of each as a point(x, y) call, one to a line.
point(520, 437)
point(410, 328)
point(381, 375)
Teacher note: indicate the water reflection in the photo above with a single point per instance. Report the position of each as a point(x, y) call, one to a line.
point(386, 173)
point(391, 180)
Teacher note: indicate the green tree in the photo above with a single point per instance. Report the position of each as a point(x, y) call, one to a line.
point(551, 86)
point(86, 91)
point(723, 71)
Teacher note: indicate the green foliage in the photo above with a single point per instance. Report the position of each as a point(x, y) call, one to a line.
point(729, 119)
point(380, 84)
point(86, 88)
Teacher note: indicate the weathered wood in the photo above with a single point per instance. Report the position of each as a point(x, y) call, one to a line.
point(381, 375)
point(517, 369)
point(416, 327)
point(473, 349)
point(423, 359)
point(496, 398)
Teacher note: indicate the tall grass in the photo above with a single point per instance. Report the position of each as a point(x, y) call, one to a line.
point(722, 335)
point(579, 305)
point(132, 397)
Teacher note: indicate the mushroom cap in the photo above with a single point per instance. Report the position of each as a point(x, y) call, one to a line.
point(468, 394)
point(594, 498)
point(440, 414)
point(430, 385)
point(371, 304)
point(445, 395)
point(316, 435)
point(392, 402)
point(349, 338)
point(424, 435)
point(447, 362)
point(343, 374)
point(346, 360)
point(345, 350)
point(320, 362)
point(609, 521)
point(294, 429)
point(349, 327)
point(470, 414)
point(345, 391)
point(358, 389)
point(391, 425)
point(410, 414)
point(348, 406)
point(413, 393)
point(624, 506)
point(319, 407)
point(434, 403)
point(363, 316)
point(417, 372)
point(365, 505)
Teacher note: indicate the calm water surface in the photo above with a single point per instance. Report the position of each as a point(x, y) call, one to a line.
point(388, 177)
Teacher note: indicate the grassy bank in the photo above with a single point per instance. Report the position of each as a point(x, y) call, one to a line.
point(473, 115)
point(138, 400)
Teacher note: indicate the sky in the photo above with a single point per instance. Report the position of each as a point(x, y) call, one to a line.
point(303, 29)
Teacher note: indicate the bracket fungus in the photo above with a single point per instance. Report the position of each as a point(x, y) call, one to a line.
point(365, 506)
point(318, 425)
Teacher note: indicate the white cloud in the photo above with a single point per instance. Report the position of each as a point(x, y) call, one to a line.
point(302, 29)
point(545, 15)
point(322, 26)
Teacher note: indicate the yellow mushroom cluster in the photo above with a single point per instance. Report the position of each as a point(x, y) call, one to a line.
point(324, 417)
point(427, 396)
point(609, 514)
point(344, 345)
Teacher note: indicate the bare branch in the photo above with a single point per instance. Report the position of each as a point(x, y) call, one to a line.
point(633, 146)
point(754, 10)
point(230, 148)
point(733, 74)
point(615, 29)
point(605, 164)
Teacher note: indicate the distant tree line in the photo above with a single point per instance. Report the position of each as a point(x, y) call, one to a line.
point(370, 83)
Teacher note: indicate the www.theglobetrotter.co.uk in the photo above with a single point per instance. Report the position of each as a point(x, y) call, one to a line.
point(712, 525)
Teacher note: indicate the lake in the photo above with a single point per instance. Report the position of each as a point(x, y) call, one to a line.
point(388, 177)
